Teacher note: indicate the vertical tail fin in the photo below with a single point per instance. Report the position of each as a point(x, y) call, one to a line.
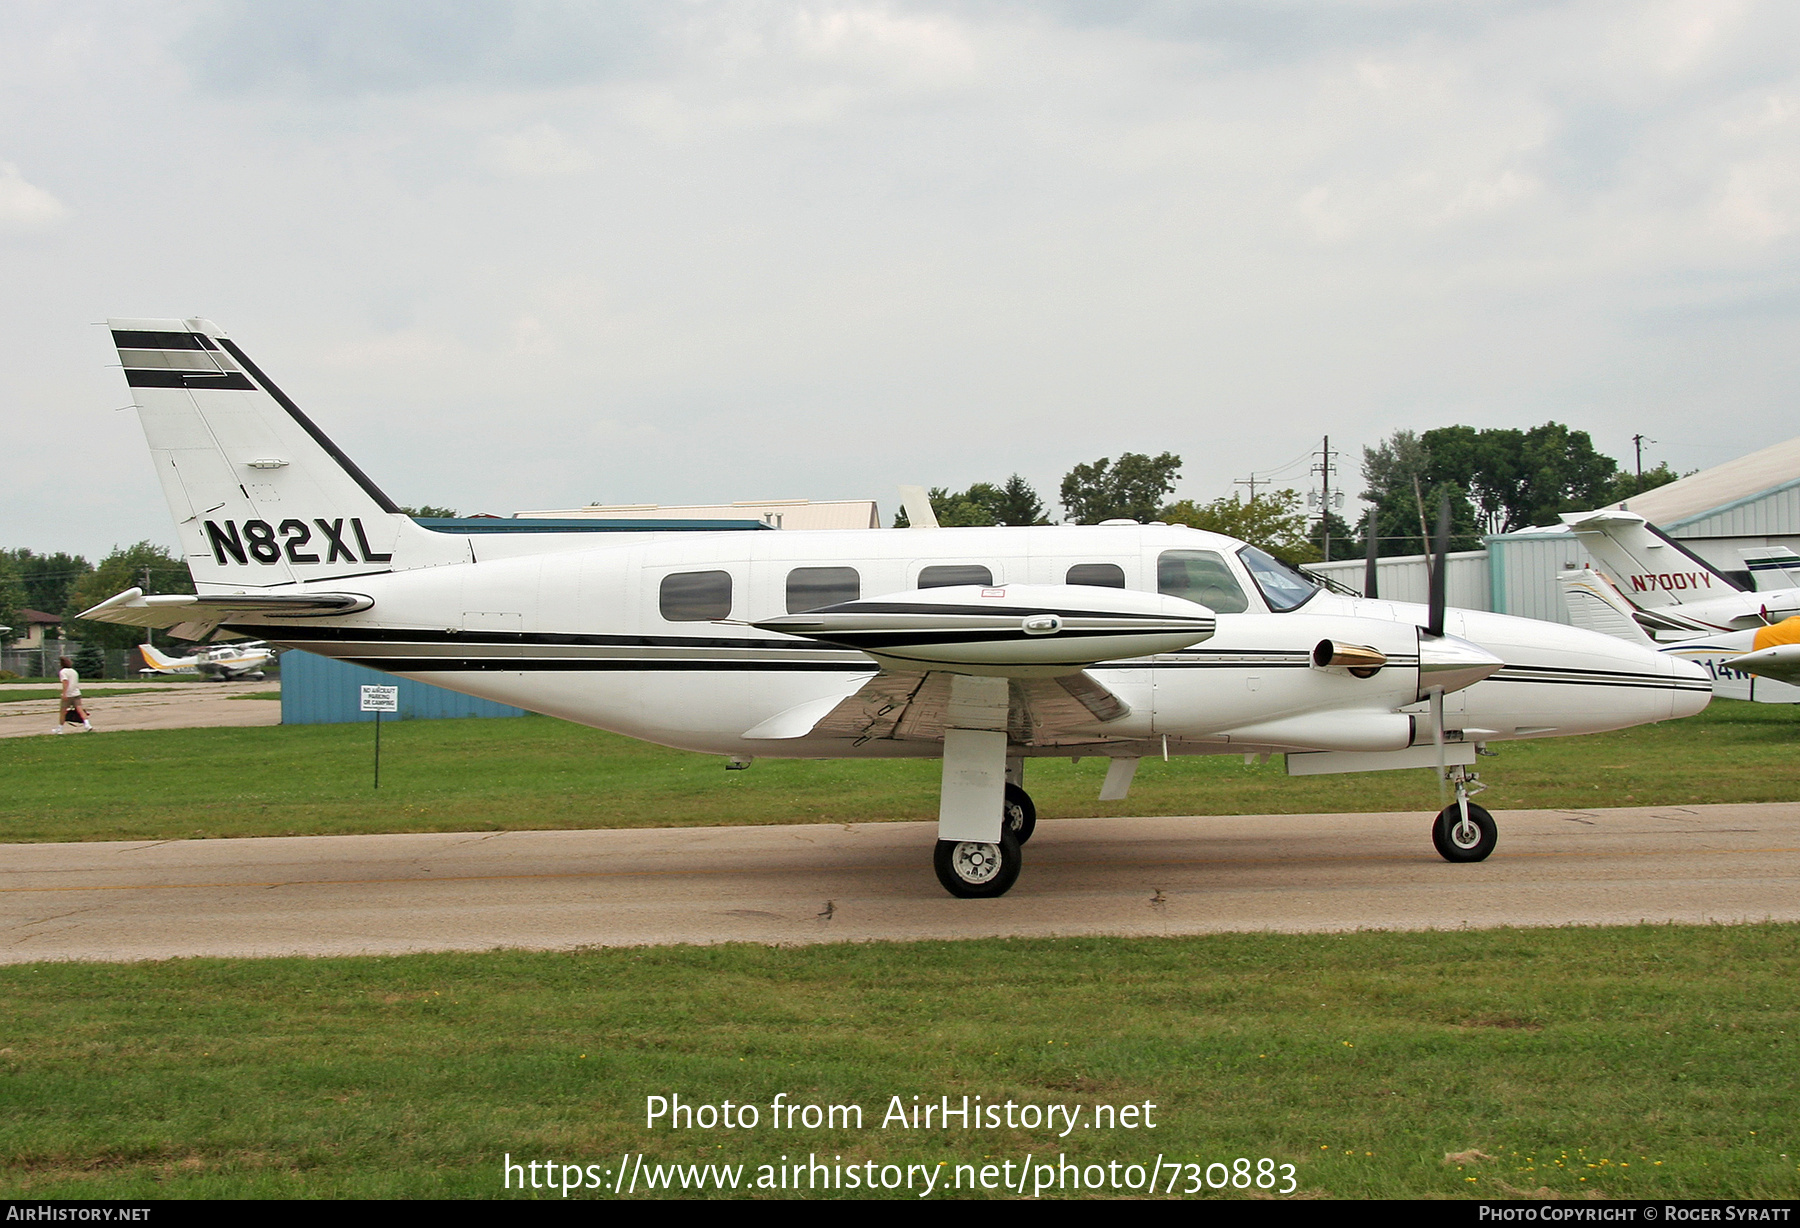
point(163, 664)
point(1650, 569)
point(261, 497)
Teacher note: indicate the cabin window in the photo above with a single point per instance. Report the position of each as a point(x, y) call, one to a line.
point(696, 596)
point(1097, 575)
point(945, 575)
point(1202, 576)
point(811, 588)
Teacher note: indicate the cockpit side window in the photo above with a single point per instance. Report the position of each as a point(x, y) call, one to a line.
point(1202, 576)
point(695, 596)
point(1282, 587)
point(1097, 575)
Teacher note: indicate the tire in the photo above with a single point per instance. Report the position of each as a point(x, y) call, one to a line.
point(1455, 845)
point(1017, 814)
point(972, 870)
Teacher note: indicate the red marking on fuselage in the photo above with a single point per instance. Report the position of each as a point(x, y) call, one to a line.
point(1670, 581)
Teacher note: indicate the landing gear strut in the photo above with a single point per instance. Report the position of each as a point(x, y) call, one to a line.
point(1464, 831)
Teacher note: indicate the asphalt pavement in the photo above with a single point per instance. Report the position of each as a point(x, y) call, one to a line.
point(546, 890)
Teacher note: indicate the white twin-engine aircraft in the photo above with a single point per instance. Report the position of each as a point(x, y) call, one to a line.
point(985, 647)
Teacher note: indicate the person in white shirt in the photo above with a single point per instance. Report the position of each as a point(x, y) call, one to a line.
point(70, 706)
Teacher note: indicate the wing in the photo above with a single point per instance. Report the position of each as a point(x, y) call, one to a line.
point(1070, 709)
point(1782, 663)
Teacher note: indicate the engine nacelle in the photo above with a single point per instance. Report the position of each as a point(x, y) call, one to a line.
point(1018, 630)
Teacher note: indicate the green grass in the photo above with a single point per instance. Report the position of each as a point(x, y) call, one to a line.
point(534, 772)
point(1634, 1062)
point(259, 695)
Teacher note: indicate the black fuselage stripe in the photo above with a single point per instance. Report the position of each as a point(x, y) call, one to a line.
point(488, 665)
point(421, 635)
point(1619, 683)
point(1576, 672)
point(654, 665)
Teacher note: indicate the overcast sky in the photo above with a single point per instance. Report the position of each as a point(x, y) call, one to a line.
point(538, 254)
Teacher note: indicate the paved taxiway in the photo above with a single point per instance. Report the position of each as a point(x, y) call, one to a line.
point(821, 883)
point(161, 705)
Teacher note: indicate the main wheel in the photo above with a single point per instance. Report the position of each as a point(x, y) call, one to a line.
point(977, 871)
point(1017, 814)
point(1459, 839)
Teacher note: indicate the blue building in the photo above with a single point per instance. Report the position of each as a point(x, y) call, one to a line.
point(316, 690)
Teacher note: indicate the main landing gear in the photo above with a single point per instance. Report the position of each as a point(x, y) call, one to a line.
point(1464, 831)
point(978, 870)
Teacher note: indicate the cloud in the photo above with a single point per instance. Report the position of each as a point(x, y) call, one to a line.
point(24, 207)
point(351, 47)
point(538, 151)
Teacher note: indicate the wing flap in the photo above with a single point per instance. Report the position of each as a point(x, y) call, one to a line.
point(911, 707)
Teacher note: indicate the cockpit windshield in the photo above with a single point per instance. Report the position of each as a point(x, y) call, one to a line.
point(1283, 587)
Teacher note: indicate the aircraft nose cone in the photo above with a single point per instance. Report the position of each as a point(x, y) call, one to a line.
point(1451, 663)
point(1688, 700)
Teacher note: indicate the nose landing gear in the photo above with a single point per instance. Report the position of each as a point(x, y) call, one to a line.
point(1464, 831)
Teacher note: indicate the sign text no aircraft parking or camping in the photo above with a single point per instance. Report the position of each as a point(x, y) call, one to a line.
point(381, 699)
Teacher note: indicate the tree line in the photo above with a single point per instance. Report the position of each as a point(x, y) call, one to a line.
point(65, 584)
point(1497, 481)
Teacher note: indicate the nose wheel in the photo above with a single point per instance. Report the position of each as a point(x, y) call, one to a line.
point(1462, 830)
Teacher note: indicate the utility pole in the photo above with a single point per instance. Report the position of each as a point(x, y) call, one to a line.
point(1638, 442)
point(1325, 469)
point(146, 589)
point(1253, 482)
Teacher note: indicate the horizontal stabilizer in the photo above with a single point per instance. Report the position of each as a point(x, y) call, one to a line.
point(134, 609)
point(1772, 568)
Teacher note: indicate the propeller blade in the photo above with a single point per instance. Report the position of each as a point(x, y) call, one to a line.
point(1369, 568)
point(1439, 568)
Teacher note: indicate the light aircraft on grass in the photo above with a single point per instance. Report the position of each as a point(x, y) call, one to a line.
point(226, 663)
point(985, 647)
